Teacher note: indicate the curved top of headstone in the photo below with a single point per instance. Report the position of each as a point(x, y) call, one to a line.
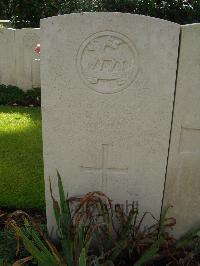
point(108, 48)
point(106, 15)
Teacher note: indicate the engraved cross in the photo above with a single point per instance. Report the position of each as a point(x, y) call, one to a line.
point(104, 170)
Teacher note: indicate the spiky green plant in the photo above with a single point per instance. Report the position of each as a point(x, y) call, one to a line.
point(89, 236)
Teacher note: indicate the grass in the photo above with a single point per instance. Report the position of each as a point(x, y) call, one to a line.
point(21, 164)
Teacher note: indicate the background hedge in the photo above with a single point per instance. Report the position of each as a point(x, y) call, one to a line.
point(12, 95)
point(27, 13)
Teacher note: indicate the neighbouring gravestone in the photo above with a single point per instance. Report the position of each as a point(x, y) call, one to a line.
point(7, 57)
point(19, 64)
point(183, 175)
point(108, 82)
point(4, 23)
point(27, 61)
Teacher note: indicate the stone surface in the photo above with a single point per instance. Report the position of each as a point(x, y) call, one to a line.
point(108, 83)
point(27, 63)
point(183, 175)
point(7, 57)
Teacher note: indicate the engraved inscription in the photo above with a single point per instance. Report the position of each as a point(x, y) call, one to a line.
point(105, 170)
point(107, 62)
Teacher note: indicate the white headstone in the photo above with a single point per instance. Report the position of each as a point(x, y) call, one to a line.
point(183, 177)
point(7, 57)
point(27, 63)
point(108, 83)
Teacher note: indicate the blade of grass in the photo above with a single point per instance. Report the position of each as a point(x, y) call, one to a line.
point(82, 259)
point(149, 253)
point(66, 224)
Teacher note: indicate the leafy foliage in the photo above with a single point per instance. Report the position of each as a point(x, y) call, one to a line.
point(8, 243)
point(25, 13)
point(92, 233)
point(4, 9)
point(12, 95)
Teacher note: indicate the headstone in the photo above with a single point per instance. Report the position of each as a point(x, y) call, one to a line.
point(4, 23)
point(27, 61)
point(183, 175)
point(108, 82)
point(7, 56)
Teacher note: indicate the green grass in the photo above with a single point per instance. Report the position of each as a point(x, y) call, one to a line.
point(21, 164)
